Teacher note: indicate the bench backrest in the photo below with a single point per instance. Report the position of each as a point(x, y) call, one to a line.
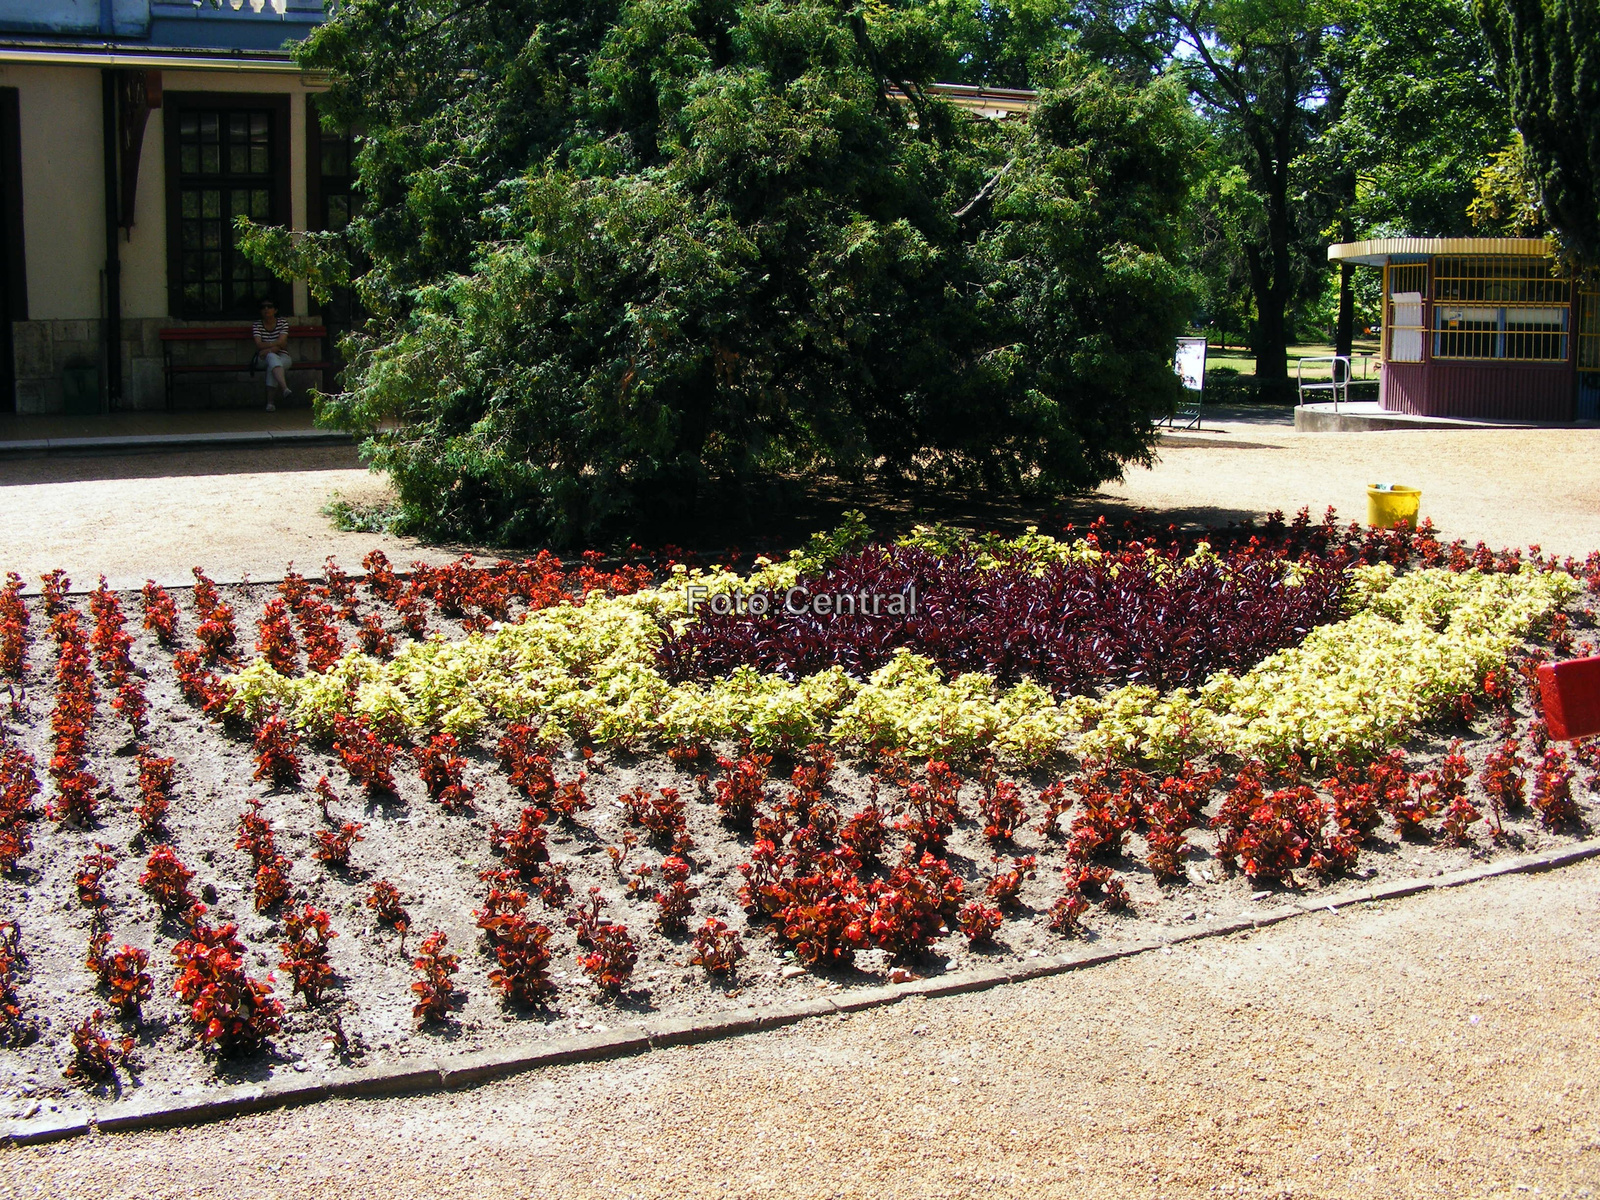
point(233, 333)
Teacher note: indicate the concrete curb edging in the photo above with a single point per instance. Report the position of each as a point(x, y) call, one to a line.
point(149, 443)
point(469, 1070)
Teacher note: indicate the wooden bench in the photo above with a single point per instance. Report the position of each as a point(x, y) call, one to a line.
point(171, 338)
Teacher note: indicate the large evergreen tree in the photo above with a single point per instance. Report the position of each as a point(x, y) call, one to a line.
point(623, 256)
point(1549, 57)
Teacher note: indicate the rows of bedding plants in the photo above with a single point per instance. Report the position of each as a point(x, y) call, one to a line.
point(335, 820)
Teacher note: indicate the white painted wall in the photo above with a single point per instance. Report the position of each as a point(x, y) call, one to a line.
point(62, 188)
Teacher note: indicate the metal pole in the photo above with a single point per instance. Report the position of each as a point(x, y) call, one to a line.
point(113, 310)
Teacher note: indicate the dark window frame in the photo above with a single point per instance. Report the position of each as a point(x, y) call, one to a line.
point(13, 256)
point(174, 106)
point(342, 312)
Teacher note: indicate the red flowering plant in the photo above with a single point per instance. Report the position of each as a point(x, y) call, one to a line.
point(674, 901)
point(979, 922)
point(375, 638)
point(384, 901)
point(611, 958)
point(15, 1029)
point(933, 808)
point(1005, 888)
point(742, 789)
point(866, 833)
point(366, 756)
point(92, 870)
point(912, 906)
point(1552, 791)
point(522, 957)
point(999, 805)
point(1270, 835)
point(523, 848)
point(1056, 802)
point(717, 948)
point(128, 985)
point(320, 635)
point(166, 880)
point(95, 1057)
point(664, 816)
point(160, 614)
point(333, 845)
point(305, 951)
point(442, 769)
point(231, 1012)
point(275, 640)
point(13, 628)
point(821, 913)
point(1171, 813)
point(277, 763)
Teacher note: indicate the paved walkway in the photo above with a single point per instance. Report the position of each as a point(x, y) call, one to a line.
point(231, 511)
point(1506, 487)
point(1442, 1045)
point(235, 511)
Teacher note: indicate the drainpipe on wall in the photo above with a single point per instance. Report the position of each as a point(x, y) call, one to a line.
point(113, 310)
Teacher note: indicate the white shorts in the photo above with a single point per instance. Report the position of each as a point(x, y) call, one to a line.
point(276, 358)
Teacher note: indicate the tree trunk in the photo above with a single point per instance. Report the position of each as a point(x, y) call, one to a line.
point(1344, 331)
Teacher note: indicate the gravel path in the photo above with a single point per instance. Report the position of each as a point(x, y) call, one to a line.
point(233, 512)
point(1506, 487)
point(240, 511)
point(1443, 1045)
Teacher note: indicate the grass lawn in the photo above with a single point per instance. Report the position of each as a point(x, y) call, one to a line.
point(1241, 362)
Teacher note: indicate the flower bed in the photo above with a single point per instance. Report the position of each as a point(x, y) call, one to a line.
point(318, 822)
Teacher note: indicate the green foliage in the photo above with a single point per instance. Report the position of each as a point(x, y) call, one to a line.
point(625, 257)
point(1548, 53)
point(1507, 203)
point(1420, 115)
point(355, 516)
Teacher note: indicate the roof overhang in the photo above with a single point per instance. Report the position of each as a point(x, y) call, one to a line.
point(1379, 251)
point(120, 54)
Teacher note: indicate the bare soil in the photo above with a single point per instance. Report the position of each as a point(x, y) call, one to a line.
point(1438, 1046)
point(435, 859)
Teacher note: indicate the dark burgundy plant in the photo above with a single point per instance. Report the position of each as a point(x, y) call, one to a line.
point(1136, 616)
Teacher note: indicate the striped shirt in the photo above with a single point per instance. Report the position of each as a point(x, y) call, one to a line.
point(260, 330)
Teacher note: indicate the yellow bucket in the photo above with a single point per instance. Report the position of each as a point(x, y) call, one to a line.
point(1388, 504)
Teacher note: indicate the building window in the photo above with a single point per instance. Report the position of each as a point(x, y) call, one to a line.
point(334, 202)
point(226, 158)
point(1588, 331)
point(1406, 285)
point(1499, 308)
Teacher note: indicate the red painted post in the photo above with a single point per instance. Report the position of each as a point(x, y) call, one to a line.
point(1571, 692)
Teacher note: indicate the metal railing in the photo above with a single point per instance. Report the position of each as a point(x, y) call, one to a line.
point(1337, 383)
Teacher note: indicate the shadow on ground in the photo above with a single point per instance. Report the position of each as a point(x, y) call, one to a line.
point(82, 468)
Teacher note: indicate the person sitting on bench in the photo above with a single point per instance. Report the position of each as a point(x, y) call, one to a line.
point(271, 333)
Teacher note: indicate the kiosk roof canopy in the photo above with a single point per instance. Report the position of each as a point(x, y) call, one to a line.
point(1413, 249)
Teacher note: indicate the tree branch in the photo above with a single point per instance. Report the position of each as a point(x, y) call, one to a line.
point(986, 191)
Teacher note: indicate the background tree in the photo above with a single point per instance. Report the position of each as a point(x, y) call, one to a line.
point(1258, 71)
point(623, 257)
point(1548, 52)
point(1413, 114)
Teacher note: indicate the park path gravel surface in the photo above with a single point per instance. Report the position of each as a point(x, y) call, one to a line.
point(1507, 487)
point(154, 516)
point(238, 512)
point(1447, 1044)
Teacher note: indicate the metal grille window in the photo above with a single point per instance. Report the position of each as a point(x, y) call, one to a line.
point(1403, 312)
point(227, 165)
point(1506, 308)
point(1588, 331)
point(1497, 280)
